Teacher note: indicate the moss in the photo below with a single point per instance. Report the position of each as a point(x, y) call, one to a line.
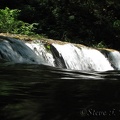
point(23, 37)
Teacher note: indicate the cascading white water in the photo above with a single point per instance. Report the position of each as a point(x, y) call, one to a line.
point(83, 58)
point(114, 58)
point(65, 56)
point(40, 50)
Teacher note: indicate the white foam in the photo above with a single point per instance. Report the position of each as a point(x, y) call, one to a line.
point(114, 58)
point(83, 58)
point(41, 51)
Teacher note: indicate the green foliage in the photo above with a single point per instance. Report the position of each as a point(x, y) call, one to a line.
point(116, 24)
point(10, 24)
point(48, 47)
point(81, 21)
point(99, 45)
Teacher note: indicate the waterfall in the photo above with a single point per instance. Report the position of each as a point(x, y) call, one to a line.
point(83, 58)
point(13, 50)
point(67, 55)
point(113, 56)
point(41, 51)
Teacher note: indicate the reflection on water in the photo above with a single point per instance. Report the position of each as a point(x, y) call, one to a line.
point(32, 92)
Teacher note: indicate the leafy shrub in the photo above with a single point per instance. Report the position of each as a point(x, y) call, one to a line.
point(100, 45)
point(9, 22)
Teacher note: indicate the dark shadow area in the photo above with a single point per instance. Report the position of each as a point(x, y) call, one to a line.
point(31, 92)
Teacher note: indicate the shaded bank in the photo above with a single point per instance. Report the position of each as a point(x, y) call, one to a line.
point(81, 21)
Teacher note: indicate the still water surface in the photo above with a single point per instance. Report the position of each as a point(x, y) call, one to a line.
point(40, 92)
